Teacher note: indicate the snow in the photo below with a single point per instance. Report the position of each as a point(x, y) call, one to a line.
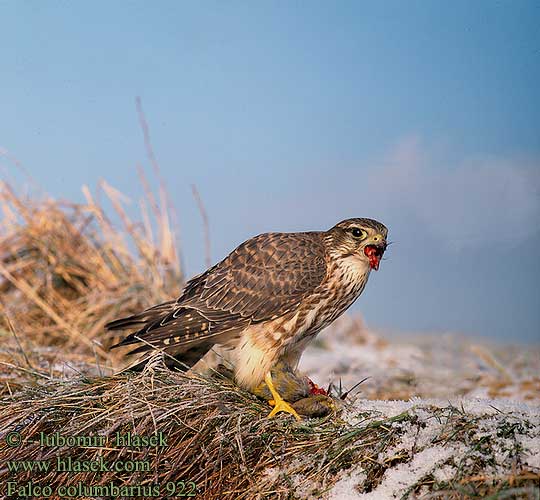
point(404, 476)
point(345, 487)
point(496, 387)
point(427, 456)
point(441, 366)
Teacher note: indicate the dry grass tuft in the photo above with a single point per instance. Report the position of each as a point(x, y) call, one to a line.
point(65, 270)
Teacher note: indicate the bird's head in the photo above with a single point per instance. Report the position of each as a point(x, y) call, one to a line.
point(364, 239)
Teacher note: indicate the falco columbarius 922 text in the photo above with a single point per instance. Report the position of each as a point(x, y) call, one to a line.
point(265, 301)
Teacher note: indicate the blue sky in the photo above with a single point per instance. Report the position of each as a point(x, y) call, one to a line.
point(295, 115)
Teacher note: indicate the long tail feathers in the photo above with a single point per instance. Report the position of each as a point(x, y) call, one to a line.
point(181, 362)
point(183, 335)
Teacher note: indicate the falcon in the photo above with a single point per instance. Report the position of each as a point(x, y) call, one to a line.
point(265, 301)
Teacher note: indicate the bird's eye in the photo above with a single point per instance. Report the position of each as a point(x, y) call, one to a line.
point(357, 232)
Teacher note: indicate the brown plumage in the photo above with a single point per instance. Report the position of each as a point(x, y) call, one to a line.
point(265, 301)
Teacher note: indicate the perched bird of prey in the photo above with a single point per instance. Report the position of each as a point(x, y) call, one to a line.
point(265, 301)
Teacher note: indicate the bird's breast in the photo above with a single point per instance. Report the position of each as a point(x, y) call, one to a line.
point(344, 285)
point(262, 344)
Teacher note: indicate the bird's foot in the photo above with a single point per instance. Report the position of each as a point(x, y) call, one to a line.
point(282, 405)
point(279, 403)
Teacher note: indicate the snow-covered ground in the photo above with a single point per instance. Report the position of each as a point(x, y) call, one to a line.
point(436, 366)
point(455, 412)
point(484, 398)
point(498, 437)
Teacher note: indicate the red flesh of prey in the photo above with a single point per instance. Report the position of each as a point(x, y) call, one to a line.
point(315, 389)
point(374, 259)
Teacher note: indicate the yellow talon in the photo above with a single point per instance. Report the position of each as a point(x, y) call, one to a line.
point(278, 403)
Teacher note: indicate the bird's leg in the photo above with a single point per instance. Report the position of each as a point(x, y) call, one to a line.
point(278, 402)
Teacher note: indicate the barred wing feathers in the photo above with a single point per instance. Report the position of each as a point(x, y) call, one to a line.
point(264, 278)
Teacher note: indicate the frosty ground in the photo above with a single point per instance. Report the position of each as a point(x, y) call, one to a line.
point(438, 417)
point(495, 387)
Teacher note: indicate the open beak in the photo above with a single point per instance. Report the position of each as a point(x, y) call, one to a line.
point(374, 253)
